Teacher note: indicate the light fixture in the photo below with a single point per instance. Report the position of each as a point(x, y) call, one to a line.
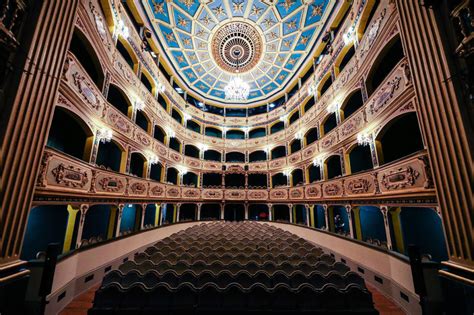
point(152, 159)
point(299, 135)
point(272, 105)
point(287, 172)
point(202, 147)
point(187, 117)
point(311, 90)
point(161, 87)
point(283, 118)
point(139, 104)
point(123, 29)
point(182, 170)
point(237, 89)
point(348, 37)
point(104, 134)
point(170, 132)
point(364, 138)
point(335, 105)
point(200, 104)
point(318, 161)
point(179, 90)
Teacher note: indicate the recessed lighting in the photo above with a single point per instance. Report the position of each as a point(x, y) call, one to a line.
point(272, 105)
point(179, 90)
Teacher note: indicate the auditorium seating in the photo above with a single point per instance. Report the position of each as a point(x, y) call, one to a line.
point(232, 268)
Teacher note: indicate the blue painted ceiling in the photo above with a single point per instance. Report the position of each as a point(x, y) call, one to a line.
point(289, 30)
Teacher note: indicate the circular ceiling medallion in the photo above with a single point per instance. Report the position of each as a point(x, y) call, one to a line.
point(236, 45)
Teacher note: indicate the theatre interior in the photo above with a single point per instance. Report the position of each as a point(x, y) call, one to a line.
point(236, 157)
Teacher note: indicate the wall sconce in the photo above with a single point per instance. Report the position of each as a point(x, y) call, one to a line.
point(186, 117)
point(364, 138)
point(299, 135)
point(104, 134)
point(152, 159)
point(161, 87)
point(202, 147)
point(170, 132)
point(287, 172)
point(138, 104)
point(335, 105)
point(311, 90)
point(318, 161)
point(182, 170)
point(348, 37)
point(123, 30)
point(284, 117)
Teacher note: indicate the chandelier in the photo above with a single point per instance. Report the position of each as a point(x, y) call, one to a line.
point(237, 89)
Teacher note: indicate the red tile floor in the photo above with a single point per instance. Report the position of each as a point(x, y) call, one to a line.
point(82, 303)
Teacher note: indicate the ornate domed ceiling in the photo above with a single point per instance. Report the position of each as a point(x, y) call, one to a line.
point(267, 41)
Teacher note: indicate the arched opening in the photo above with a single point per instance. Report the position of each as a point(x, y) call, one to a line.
point(320, 217)
point(70, 135)
point(234, 180)
point(333, 167)
point(258, 212)
point(388, 58)
point(294, 117)
point(111, 156)
point(311, 136)
point(151, 219)
point(46, 225)
point(146, 79)
point(297, 177)
point(212, 155)
point(372, 227)
point(329, 123)
point(352, 104)
point(338, 220)
point(118, 99)
point(194, 126)
point(142, 121)
point(168, 212)
point(210, 211)
point(325, 85)
point(299, 214)
point(163, 101)
point(235, 157)
point(277, 127)
point(234, 212)
point(172, 176)
point(137, 164)
point(257, 156)
point(278, 152)
point(126, 52)
point(309, 104)
point(235, 134)
point(281, 213)
point(389, 146)
point(423, 227)
point(279, 180)
point(177, 116)
point(348, 54)
point(130, 220)
point(257, 133)
point(85, 54)
point(295, 146)
point(156, 172)
point(191, 151)
point(159, 134)
point(211, 180)
point(99, 224)
point(314, 173)
point(213, 132)
point(190, 179)
point(175, 144)
point(187, 212)
point(360, 159)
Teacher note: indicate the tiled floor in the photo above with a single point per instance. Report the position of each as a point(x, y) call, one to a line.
point(82, 303)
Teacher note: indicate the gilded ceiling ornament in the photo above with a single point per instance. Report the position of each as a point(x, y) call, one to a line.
point(158, 8)
point(304, 40)
point(238, 6)
point(218, 11)
point(256, 11)
point(316, 10)
point(280, 59)
point(292, 61)
point(170, 37)
point(273, 35)
point(180, 59)
point(182, 22)
point(187, 3)
point(187, 41)
point(268, 22)
point(287, 43)
point(287, 4)
point(206, 20)
point(291, 24)
point(200, 33)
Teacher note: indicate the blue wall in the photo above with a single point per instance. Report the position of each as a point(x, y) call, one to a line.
point(371, 222)
point(423, 227)
point(128, 217)
point(319, 216)
point(97, 221)
point(46, 224)
point(150, 214)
